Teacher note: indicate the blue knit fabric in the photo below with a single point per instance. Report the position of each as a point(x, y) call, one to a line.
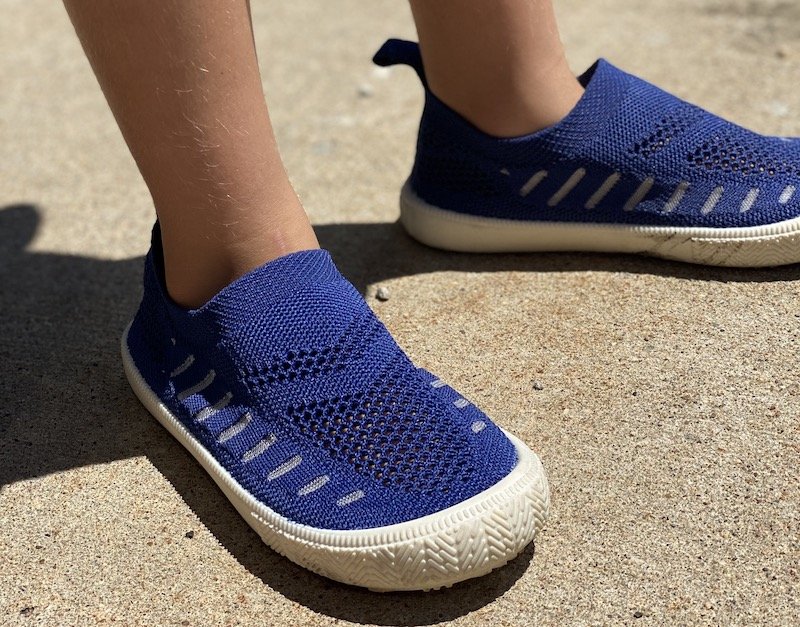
point(692, 168)
point(317, 385)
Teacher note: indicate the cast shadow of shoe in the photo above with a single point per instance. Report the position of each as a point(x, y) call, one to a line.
point(64, 402)
point(369, 253)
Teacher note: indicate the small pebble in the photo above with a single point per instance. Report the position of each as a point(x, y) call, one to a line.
point(189, 534)
point(26, 611)
point(365, 91)
point(537, 385)
point(637, 614)
point(382, 294)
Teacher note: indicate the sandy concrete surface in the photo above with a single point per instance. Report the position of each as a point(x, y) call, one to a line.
point(668, 410)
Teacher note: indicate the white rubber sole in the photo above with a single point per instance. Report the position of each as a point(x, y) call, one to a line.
point(464, 541)
point(751, 247)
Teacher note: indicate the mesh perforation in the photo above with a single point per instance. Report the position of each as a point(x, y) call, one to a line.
point(671, 125)
point(730, 152)
point(302, 364)
point(393, 433)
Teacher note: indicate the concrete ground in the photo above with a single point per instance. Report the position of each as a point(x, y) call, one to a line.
point(668, 410)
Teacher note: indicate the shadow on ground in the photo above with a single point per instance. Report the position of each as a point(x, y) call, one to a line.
point(64, 402)
point(370, 253)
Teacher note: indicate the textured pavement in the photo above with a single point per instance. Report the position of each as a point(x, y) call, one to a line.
point(668, 411)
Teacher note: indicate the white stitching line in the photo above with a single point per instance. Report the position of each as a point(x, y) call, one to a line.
point(478, 426)
point(712, 201)
point(313, 486)
point(677, 197)
point(198, 387)
point(461, 403)
point(235, 429)
point(183, 367)
point(438, 383)
point(287, 466)
point(567, 187)
point(787, 194)
point(532, 183)
point(207, 412)
point(350, 498)
point(259, 448)
point(603, 190)
point(749, 200)
point(639, 194)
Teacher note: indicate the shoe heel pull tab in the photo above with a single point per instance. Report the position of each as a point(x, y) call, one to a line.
point(401, 52)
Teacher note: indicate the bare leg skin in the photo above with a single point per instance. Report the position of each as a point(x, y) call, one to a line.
point(498, 63)
point(183, 82)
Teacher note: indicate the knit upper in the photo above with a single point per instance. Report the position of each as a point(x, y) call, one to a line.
point(628, 153)
point(294, 385)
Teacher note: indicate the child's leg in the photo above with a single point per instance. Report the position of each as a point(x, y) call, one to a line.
point(499, 64)
point(183, 82)
point(615, 164)
point(337, 450)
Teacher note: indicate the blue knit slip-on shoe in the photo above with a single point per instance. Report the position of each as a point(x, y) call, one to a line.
point(331, 444)
point(631, 169)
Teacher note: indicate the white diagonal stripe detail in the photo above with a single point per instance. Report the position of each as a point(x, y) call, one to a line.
point(438, 383)
point(183, 367)
point(478, 426)
point(287, 466)
point(198, 387)
point(532, 183)
point(259, 448)
point(235, 429)
point(712, 201)
point(639, 194)
point(603, 190)
point(350, 498)
point(461, 403)
point(787, 194)
point(677, 196)
point(749, 201)
point(314, 485)
point(207, 412)
point(567, 187)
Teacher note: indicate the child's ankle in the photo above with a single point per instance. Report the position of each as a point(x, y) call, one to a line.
point(517, 109)
point(196, 274)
